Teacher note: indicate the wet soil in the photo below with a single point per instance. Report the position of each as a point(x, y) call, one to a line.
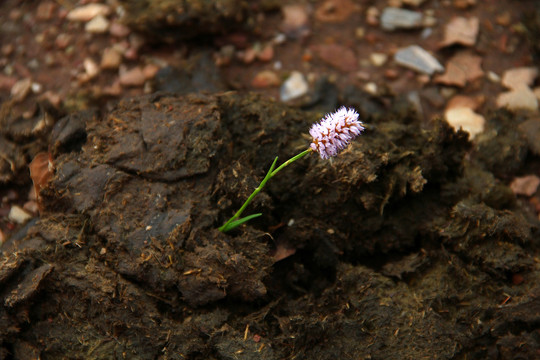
point(409, 245)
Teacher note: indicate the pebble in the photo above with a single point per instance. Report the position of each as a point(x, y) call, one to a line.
point(150, 70)
point(464, 4)
point(45, 10)
point(119, 30)
point(338, 56)
point(516, 77)
point(416, 58)
point(266, 53)
point(91, 68)
point(493, 77)
point(88, 12)
point(265, 79)
point(371, 88)
point(391, 74)
point(294, 87)
point(62, 41)
point(414, 3)
point(36, 87)
point(97, 25)
point(111, 58)
point(295, 21)
point(18, 215)
point(334, 11)
point(7, 49)
point(396, 18)
point(372, 16)
point(133, 77)
point(360, 33)
point(378, 59)
point(21, 89)
point(466, 119)
point(522, 97)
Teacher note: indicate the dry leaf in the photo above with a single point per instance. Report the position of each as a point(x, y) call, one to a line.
point(462, 31)
point(460, 69)
point(525, 185)
point(41, 171)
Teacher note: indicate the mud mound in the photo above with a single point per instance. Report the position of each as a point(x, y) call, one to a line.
point(403, 247)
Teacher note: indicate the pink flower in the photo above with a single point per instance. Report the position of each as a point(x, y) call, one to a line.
point(335, 132)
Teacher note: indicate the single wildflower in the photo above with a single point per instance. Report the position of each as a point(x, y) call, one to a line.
point(330, 136)
point(335, 132)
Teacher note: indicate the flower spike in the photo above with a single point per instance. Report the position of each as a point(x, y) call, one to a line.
point(335, 132)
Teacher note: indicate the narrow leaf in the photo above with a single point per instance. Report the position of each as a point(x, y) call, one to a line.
point(239, 222)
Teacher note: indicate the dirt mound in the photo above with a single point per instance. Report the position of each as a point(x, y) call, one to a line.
point(405, 246)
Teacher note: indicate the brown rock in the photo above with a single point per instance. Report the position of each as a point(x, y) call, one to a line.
point(464, 4)
point(266, 53)
point(338, 56)
point(45, 10)
point(265, 79)
point(119, 30)
point(111, 58)
point(295, 21)
point(133, 77)
point(150, 70)
point(334, 10)
point(88, 12)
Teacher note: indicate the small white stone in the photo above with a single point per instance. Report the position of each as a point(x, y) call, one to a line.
point(378, 59)
point(294, 87)
point(18, 215)
point(36, 87)
point(91, 68)
point(371, 88)
point(466, 119)
point(493, 77)
point(279, 39)
point(97, 25)
point(88, 12)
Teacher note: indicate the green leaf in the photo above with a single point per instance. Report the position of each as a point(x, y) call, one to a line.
point(238, 222)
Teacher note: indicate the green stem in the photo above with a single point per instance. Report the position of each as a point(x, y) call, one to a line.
point(271, 173)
